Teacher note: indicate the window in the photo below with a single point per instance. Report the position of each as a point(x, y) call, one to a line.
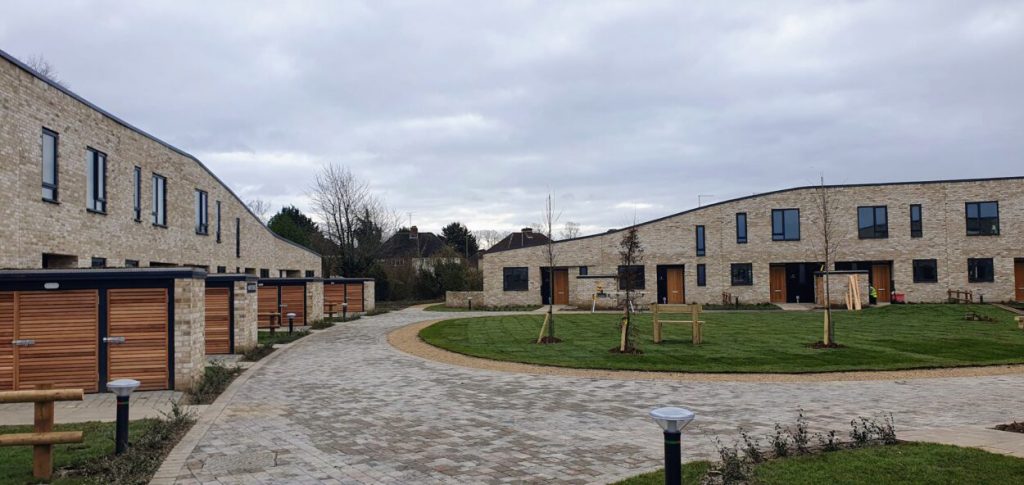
point(915, 220)
point(202, 213)
point(310, 273)
point(785, 224)
point(516, 279)
point(159, 200)
point(741, 228)
point(873, 222)
point(98, 262)
point(584, 270)
point(700, 241)
point(926, 271)
point(632, 275)
point(49, 166)
point(983, 218)
point(238, 237)
point(96, 180)
point(742, 274)
point(222, 269)
point(137, 194)
point(702, 275)
point(131, 263)
point(218, 222)
point(979, 270)
point(264, 273)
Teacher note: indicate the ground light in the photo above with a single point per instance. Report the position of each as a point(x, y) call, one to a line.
point(123, 389)
point(291, 323)
point(344, 311)
point(672, 421)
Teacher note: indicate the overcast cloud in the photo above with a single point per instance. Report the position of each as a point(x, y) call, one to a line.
point(472, 110)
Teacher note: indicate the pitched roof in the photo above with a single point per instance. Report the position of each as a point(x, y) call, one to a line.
point(403, 245)
point(522, 239)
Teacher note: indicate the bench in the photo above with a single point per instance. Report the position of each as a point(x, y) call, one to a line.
point(695, 322)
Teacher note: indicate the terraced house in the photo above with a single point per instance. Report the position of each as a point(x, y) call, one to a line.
point(919, 239)
point(82, 188)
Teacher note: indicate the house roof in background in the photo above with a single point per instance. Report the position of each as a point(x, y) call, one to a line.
point(402, 245)
point(517, 240)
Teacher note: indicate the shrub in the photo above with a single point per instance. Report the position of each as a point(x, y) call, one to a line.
point(780, 442)
point(321, 324)
point(215, 379)
point(257, 352)
point(799, 435)
point(377, 311)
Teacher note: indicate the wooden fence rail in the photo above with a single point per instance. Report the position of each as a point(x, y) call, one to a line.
point(44, 437)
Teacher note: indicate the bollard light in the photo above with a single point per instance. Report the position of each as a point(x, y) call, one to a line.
point(291, 323)
point(672, 421)
point(471, 303)
point(122, 388)
point(344, 311)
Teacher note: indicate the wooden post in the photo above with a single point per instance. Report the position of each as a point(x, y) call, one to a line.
point(42, 455)
point(622, 340)
point(826, 339)
point(657, 324)
point(543, 328)
point(695, 318)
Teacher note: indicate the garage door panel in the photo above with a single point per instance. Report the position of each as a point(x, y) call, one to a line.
point(65, 328)
point(6, 335)
point(266, 301)
point(295, 298)
point(355, 297)
point(140, 316)
point(218, 321)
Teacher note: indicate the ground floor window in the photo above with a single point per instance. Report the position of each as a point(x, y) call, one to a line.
point(742, 274)
point(98, 262)
point(980, 270)
point(926, 271)
point(583, 270)
point(131, 263)
point(310, 274)
point(515, 279)
point(264, 273)
point(702, 275)
point(631, 274)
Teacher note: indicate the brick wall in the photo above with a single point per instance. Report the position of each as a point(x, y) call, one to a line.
point(460, 299)
point(246, 330)
point(369, 295)
point(314, 301)
point(189, 332)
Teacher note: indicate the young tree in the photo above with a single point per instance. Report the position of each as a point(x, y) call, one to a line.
point(570, 230)
point(829, 246)
point(550, 218)
point(459, 238)
point(631, 254)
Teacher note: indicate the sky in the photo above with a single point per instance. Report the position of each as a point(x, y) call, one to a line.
point(624, 110)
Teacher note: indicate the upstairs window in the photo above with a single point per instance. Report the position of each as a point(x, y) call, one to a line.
point(873, 222)
point(982, 218)
point(741, 228)
point(218, 221)
point(742, 274)
point(238, 237)
point(785, 224)
point(980, 270)
point(702, 275)
point(264, 273)
point(632, 277)
point(159, 200)
point(202, 213)
point(515, 279)
point(49, 165)
point(137, 194)
point(916, 229)
point(96, 180)
point(926, 271)
point(700, 240)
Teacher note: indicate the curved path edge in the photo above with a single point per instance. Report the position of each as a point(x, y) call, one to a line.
point(407, 340)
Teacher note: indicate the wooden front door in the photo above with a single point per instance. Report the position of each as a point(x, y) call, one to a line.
point(880, 279)
point(293, 300)
point(561, 286)
point(139, 316)
point(61, 334)
point(218, 321)
point(777, 284)
point(674, 290)
point(1018, 279)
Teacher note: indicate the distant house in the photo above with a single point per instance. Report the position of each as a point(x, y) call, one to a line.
point(517, 240)
point(410, 247)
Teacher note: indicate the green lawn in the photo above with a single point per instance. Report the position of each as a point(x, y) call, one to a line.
point(440, 307)
point(907, 463)
point(98, 441)
point(891, 337)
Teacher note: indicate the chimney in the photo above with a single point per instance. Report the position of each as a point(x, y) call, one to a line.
point(527, 230)
point(414, 232)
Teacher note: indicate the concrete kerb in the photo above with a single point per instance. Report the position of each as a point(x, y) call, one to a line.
point(407, 340)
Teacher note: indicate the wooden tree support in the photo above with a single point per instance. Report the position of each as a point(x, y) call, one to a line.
point(544, 328)
point(625, 328)
point(44, 437)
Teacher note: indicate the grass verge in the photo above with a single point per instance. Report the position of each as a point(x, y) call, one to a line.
point(440, 307)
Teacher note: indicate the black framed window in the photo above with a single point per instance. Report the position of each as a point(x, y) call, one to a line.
point(137, 194)
point(222, 269)
point(873, 222)
point(785, 224)
point(584, 270)
point(702, 275)
point(159, 200)
point(632, 274)
point(980, 270)
point(982, 218)
point(264, 273)
point(926, 271)
point(96, 180)
point(741, 228)
point(310, 273)
point(916, 227)
point(98, 262)
point(50, 170)
point(515, 279)
point(202, 212)
point(700, 240)
point(218, 221)
point(131, 263)
point(742, 274)
point(238, 237)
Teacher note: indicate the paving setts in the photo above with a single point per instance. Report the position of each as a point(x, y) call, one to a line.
point(343, 406)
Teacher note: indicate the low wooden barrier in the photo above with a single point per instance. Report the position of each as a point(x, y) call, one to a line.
point(695, 322)
point(44, 437)
point(960, 296)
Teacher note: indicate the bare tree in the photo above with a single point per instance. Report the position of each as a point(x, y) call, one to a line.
point(351, 216)
point(829, 246)
point(549, 219)
point(631, 254)
point(261, 208)
point(489, 237)
point(570, 230)
point(40, 65)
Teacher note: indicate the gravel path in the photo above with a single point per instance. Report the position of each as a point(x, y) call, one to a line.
point(344, 406)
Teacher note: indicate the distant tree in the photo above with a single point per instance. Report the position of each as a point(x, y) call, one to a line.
point(260, 207)
point(460, 239)
point(290, 223)
point(487, 238)
point(40, 65)
point(631, 253)
point(570, 230)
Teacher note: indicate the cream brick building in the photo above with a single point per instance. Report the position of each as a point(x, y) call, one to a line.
point(69, 217)
point(966, 234)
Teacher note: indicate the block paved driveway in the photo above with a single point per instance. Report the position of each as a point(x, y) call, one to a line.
point(342, 406)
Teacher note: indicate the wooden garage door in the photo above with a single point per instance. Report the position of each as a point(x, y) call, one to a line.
point(140, 316)
point(218, 321)
point(334, 294)
point(355, 297)
point(64, 326)
point(293, 300)
point(266, 301)
point(6, 336)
